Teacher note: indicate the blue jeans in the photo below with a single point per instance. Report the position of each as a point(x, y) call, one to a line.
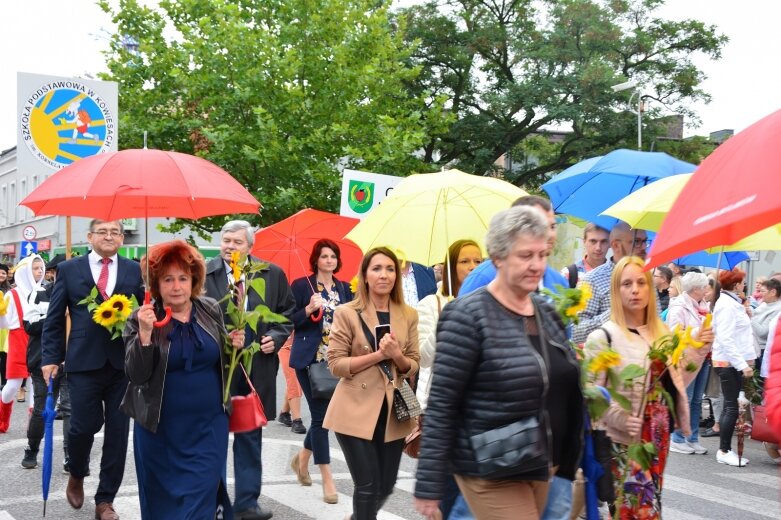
point(247, 468)
point(694, 392)
point(559, 503)
point(460, 510)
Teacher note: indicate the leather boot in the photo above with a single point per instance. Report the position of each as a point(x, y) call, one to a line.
point(5, 415)
point(75, 492)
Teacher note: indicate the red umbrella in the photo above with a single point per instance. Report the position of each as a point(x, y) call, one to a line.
point(729, 196)
point(289, 242)
point(141, 183)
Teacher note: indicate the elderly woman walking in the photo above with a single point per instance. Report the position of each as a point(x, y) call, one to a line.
point(502, 371)
point(689, 310)
point(176, 374)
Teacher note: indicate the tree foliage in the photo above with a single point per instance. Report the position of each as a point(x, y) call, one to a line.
point(511, 69)
point(280, 93)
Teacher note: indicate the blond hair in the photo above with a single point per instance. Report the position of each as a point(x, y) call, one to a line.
point(655, 325)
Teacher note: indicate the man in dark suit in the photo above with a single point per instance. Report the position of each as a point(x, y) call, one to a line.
point(418, 282)
point(238, 235)
point(94, 363)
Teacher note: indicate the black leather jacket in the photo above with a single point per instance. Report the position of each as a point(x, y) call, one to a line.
point(146, 366)
point(486, 375)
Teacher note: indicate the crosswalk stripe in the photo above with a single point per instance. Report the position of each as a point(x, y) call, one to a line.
point(719, 495)
point(301, 497)
point(672, 514)
point(4, 515)
point(758, 479)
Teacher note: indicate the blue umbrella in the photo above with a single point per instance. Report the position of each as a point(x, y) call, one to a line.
point(591, 186)
point(705, 259)
point(48, 421)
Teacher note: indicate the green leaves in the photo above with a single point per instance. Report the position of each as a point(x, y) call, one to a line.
point(280, 94)
point(642, 453)
point(91, 303)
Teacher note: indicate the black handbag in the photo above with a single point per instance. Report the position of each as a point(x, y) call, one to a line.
point(405, 404)
point(520, 446)
point(321, 380)
point(500, 452)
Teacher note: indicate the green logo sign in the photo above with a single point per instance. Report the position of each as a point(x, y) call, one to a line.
point(361, 196)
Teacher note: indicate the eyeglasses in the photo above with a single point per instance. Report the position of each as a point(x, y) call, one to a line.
point(103, 233)
point(641, 242)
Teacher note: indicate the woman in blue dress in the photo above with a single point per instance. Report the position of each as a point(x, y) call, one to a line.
point(180, 437)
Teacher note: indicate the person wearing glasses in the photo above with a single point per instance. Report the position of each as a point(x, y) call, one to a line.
point(94, 363)
point(624, 241)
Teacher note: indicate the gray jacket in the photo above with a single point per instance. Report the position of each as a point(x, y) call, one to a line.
point(146, 366)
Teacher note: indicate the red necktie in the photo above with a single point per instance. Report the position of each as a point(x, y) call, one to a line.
point(103, 278)
point(240, 292)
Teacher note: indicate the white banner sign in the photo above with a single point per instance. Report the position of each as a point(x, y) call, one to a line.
point(363, 191)
point(62, 120)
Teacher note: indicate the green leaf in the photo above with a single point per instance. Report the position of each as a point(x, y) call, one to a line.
point(251, 319)
point(638, 453)
point(258, 285)
point(622, 401)
point(270, 317)
point(631, 372)
point(669, 400)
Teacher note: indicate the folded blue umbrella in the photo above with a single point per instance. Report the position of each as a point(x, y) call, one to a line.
point(48, 439)
point(589, 187)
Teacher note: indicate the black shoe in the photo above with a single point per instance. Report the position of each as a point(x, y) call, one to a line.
point(284, 418)
point(254, 514)
point(710, 433)
point(30, 459)
point(297, 426)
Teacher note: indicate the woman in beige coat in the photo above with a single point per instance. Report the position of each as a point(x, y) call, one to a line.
point(361, 409)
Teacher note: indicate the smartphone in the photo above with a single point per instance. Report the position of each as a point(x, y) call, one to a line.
point(379, 332)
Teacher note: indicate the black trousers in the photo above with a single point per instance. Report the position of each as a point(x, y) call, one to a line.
point(373, 466)
point(731, 383)
point(95, 399)
point(35, 427)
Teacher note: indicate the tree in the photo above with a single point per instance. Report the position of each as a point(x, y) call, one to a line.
point(513, 68)
point(280, 93)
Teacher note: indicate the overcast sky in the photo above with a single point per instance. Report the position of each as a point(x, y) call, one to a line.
point(64, 38)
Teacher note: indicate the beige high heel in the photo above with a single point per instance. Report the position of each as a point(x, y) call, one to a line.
point(303, 478)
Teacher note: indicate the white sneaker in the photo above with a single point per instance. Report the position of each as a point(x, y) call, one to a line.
point(698, 448)
point(730, 458)
point(681, 447)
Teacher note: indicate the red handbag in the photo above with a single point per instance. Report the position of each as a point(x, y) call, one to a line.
point(247, 414)
point(761, 430)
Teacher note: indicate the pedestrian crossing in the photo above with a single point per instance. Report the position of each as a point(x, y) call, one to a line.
point(696, 487)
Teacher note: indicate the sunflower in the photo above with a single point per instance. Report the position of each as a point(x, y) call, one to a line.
point(3, 304)
point(234, 264)
point(582, 301)
point(121, 304)
point(354, 285)
point(105, 315)
point(603, 361)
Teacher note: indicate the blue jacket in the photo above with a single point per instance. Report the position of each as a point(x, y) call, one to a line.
point(484, 273)
point(424, 280)
point(89, 345)
point(308, 333)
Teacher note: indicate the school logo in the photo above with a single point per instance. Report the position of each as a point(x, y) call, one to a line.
point(64, 121)
point(361, 196)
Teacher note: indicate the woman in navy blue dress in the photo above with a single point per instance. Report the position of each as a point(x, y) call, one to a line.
point(180, 438)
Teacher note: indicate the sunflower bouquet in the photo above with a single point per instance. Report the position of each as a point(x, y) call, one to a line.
point(112, 313)
point(570, 302)
point(240, 317)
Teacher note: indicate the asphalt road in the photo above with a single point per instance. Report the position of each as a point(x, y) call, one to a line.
point(696, 486)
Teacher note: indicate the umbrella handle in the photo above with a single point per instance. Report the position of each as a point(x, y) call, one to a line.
point(317, 316)
point(164, 321)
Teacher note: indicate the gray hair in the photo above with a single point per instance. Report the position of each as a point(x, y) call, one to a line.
point(507, 226)
point(691, 281)
point(239, 225)
point(95, 221)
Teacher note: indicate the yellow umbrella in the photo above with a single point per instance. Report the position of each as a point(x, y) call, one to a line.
point(426, 212)
point(647, 208)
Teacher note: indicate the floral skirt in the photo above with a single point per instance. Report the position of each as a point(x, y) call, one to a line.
point(638, 490)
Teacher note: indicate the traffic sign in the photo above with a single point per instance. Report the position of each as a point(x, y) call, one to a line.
point(28, 248)
point(29, 233)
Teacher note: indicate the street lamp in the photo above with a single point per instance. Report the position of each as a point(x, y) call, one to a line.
point(640, 105)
